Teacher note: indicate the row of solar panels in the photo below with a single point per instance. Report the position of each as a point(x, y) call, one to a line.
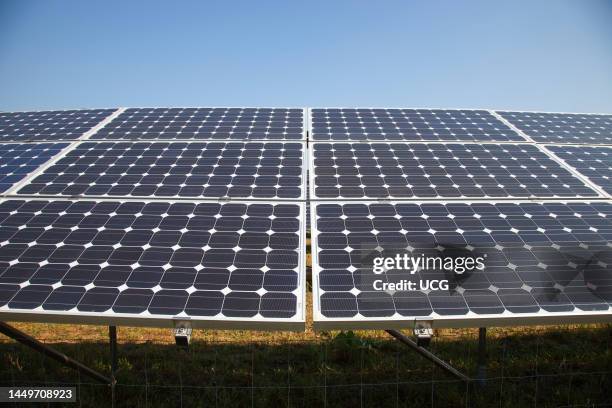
point(277, 170)
point(144, 233)
point(295, 124)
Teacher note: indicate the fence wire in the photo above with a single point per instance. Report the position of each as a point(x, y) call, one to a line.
point(568, 366)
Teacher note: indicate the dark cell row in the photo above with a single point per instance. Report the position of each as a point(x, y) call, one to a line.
point(165, 302)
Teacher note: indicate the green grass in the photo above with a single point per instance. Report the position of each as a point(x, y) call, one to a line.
point(548, 367)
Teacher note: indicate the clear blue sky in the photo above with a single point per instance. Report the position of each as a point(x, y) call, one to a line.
point(551, 55)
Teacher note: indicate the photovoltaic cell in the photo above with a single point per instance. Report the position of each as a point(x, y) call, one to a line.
point(17, 160)
point(439, 170)
point(409, 125)
point(176, 169)
point(580, 128)
point(49, 125)
point(541, 259)
point(594, 162)
point(159, 260)
point(206, 123)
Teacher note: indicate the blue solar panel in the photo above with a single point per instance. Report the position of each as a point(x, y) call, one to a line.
point(439, 170)
point(49, 125)
point(205, 124)
point(540, 260)
point(595, 163)
point(17, 160)
point(270, 170)
point(579, 128)
point(409, 124)
point(239, 265)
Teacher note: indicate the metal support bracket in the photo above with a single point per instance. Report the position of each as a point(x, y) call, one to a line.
point(182, 333)
point(428, 354)
point(423, 333)
point(60, 357)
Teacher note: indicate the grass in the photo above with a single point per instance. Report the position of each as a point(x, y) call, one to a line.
point(531, 366)
point(556, 366)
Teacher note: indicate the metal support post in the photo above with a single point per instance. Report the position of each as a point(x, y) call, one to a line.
point(112, 333)
point(36, 345)
point(481, 375)
point(428, 354)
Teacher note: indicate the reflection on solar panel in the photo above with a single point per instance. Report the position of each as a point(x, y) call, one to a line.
point(563, 127)
point(542, 261)
point(429, 170)
point(593, 162)
point(176, 169)
point(17, 160)
point(49, 125)
point(206, 123)
point(409, 124)
point(238, 265)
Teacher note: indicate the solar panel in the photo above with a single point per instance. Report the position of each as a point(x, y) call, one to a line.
point(593, 162)
point(409, 124)
point(438, 170)
point(17, 160)
point(544, 262)
point(563, 127)
point(206, 123)
point(220, 265)
point(270, 170)
point(49, 125)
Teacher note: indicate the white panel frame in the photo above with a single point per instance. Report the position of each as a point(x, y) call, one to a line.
point(295, 323)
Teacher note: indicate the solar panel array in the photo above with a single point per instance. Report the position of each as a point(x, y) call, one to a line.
point(151, 259)
point(580, 128)
point(409, 125)
point(547, 259)
point(164, 230)
point(49, 125)
point(176, 169)
point(165, 214)
point(593, 162)
point(431, 170)
point(205, 124)
point(542, 258)
point(17, 160)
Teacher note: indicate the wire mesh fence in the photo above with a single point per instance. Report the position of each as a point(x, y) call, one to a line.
point(557, 366)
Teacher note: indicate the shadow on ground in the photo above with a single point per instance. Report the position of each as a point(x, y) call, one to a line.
point(565, 367)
